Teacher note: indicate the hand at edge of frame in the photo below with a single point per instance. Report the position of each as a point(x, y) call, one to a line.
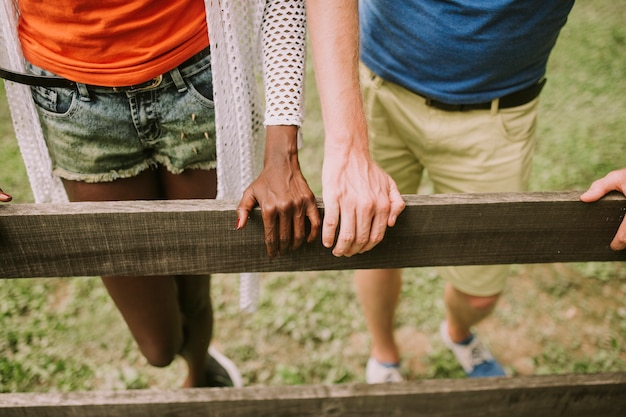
point(613, 181)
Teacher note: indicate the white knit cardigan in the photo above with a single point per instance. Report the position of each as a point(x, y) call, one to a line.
point(250, 40)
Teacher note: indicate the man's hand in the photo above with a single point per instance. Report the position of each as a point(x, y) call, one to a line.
point(283, 194)
point(613, 181)
point(4, 197)
point(360, 199)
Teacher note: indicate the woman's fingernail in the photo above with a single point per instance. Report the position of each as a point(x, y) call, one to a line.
point(238, 223)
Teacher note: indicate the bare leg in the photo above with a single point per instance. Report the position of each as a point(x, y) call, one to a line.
point(194, 295)
point(194, 291)
point(150, 308)
point(166, 315)
point(378, 291)
point(464, 311)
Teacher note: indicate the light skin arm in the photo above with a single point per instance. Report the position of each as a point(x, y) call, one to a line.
point(360, 199)
point(613, 181)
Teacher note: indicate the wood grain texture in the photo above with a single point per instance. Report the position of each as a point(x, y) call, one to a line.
point(199, 236)
point(172, 237)
point(530, 396)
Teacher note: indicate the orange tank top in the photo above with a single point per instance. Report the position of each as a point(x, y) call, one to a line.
point(111, 42)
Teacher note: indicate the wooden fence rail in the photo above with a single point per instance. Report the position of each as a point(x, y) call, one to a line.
point(588, 395)
point(198, 236)
point(193, 236)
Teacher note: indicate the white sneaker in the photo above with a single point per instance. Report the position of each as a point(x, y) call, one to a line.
point(223, 371)
point(377, 373)
point(476, 360)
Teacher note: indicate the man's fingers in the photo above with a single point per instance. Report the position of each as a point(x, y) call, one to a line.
point(619, 241)
point(595, 192)
point(331, 222)
point(613, 181)
point(397, 205)
point(377, 232)
point(346, 236)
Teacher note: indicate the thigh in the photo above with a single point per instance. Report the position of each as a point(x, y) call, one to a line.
point(194, 294)
point(188, 184)
point(477, 280)
point(144, 186)
point(481, 151)
point(149, 306)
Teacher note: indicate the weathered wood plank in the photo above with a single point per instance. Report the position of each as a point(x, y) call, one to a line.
point(198, 236)
point(537, 396)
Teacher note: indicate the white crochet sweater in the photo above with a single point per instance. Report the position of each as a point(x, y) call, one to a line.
point(250, 40)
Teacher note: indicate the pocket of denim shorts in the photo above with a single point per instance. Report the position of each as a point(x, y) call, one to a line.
point(54, 101)
point(200, 85)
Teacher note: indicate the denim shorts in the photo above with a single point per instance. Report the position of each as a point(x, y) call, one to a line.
point(99, 134)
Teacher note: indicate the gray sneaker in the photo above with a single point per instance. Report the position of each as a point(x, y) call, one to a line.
point(378, 373)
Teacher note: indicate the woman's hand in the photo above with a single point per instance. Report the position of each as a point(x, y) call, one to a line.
point(283, 194)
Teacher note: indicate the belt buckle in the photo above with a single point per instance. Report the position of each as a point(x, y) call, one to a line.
point(155, 82)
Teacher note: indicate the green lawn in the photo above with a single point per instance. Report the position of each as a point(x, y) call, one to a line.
point(65, 334)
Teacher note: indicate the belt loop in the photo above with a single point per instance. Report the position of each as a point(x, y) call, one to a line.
point(83, 92)
point(495, 104)
point(178, 80)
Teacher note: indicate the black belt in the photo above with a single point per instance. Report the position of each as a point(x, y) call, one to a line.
point(36, 80)
point(515, 99)
point(46, 81)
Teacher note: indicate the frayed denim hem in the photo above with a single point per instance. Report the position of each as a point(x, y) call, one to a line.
point(103, 177)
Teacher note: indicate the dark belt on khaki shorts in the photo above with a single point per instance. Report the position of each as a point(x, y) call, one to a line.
point(45, 81)
point(515, 99)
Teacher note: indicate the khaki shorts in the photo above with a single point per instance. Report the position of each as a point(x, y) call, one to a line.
point(476, 151)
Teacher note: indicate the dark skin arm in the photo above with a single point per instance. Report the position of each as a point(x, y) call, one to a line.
point(283, 194)
point(281, 191)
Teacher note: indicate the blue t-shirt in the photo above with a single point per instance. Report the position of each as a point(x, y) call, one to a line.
point(460, 51)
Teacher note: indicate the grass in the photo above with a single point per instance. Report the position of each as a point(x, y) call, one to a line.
point(64, 334)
